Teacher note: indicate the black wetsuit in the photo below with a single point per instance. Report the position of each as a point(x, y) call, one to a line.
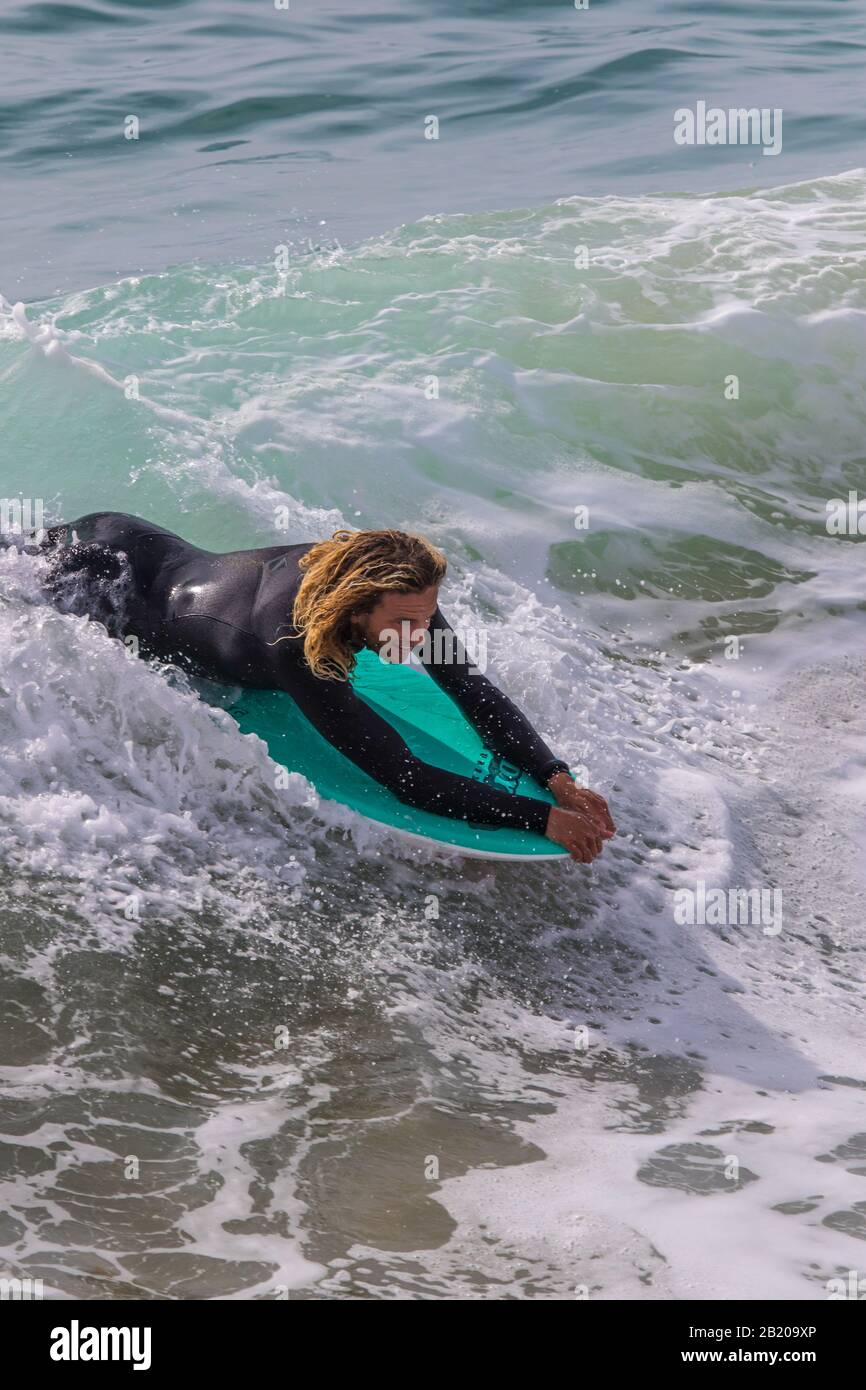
point(218, 615)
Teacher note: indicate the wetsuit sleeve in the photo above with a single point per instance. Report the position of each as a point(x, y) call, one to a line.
point(372, 744)
point(496, 718)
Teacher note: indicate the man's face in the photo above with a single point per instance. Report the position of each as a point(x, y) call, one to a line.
point(399, 620)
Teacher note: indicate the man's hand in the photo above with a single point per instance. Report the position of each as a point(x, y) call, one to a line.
point(586, 803)
point(578, 834)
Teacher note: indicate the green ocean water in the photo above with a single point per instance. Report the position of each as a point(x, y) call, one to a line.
point(621, 400)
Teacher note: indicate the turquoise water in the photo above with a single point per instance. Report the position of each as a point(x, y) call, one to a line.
point(278, 1011)
point(260, 126)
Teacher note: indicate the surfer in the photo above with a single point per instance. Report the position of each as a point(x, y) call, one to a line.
point(293, 618)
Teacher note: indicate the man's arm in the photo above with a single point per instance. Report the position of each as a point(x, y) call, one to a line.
point(372, 744)
point(496, 718)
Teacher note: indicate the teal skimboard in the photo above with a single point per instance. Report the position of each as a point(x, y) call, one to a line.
point(435, 730)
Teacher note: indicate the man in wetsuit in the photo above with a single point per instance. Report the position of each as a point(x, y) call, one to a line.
point(291, 618)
